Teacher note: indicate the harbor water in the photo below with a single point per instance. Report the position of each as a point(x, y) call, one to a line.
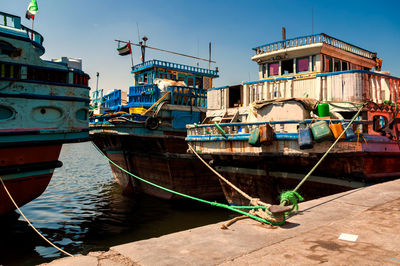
point(83, 210)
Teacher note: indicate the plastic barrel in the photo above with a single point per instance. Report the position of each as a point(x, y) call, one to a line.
point(305, 138)
point(321, 131)
point(349, 132)
point(323, 110)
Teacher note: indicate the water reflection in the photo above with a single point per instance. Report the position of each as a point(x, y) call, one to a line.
point(83, 210)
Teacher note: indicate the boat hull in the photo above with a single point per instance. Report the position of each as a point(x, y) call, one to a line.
point(26, 172)
point(161, 160)
point(266, 171)
point(267, 178)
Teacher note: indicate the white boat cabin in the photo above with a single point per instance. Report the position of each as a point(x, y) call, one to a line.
point(318, 67)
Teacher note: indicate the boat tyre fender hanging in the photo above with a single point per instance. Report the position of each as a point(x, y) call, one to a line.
point(151, 123)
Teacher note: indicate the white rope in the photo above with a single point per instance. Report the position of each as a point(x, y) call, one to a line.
point(26, 219)
point(253, 201)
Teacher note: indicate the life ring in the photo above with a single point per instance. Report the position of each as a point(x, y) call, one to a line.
point(152, 123)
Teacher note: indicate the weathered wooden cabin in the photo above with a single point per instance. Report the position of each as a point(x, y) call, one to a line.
point(316, 66)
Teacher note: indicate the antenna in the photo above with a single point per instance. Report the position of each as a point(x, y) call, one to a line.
point(96, 98)
point(209, 55)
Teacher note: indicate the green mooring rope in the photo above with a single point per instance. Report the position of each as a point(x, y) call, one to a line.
point(292, 197)
point(216, 204)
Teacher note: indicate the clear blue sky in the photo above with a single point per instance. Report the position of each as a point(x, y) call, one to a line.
point(87, 28)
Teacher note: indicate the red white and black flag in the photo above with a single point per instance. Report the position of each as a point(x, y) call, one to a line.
point(125, 50)
point(32, 10)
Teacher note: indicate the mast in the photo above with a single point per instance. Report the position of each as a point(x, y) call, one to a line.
point(209, 55)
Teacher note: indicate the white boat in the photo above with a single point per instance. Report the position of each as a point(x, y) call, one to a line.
point(303, 81)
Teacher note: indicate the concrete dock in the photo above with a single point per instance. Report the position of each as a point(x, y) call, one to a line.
point(309, 237)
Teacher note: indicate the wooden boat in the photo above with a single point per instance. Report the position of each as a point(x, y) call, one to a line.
point(146, 136)
point(43, 104)
point(302, 81)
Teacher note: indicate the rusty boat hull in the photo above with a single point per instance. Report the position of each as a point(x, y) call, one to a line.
point(266, 177)
point(264, 171)
point(162, 160)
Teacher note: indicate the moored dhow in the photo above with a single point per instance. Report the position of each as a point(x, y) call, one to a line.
point(146, 136)
point(265, 135)
point(43, 104)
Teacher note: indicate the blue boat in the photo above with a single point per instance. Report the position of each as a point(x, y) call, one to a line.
point(43, 104)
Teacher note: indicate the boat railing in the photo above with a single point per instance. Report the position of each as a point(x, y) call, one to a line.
point(143, 95)
point(312, 39)
point(33, 35)
point(12, 21)
point(170, 65)
point(229, 129)
point(147, 95)
point(111, 100)
point(9, 20)
point(188, 96)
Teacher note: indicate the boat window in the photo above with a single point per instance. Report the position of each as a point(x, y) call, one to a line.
point(379, 122)
point(328, 64)
point(314, 63)
point(273, 69)
point(10, 71)
point(287, 67)
point(190, 82)
point(54, 76)
point(181, 77)
point(345, 66)
point(302, 64)
point(336, 65)
point(263, 70)
point(234, 94)
point(199, 82)
point(6, 113)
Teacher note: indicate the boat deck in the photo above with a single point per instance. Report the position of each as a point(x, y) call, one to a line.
point(310, 237)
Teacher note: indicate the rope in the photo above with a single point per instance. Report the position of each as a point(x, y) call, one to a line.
point(157, 102)
point(293, 197)
point(285, 201)
point(159, 106)
point(27, 220)
point(252, 200)
point(216, 204)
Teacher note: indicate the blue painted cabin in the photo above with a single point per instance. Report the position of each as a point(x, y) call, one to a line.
point(187, 86)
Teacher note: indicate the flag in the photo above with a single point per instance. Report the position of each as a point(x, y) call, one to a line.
point(125, 50)
point(32, 10)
